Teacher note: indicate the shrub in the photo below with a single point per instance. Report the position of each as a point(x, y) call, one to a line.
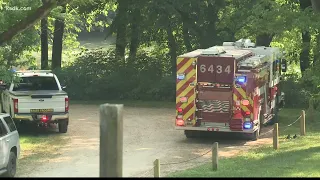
point(295, 95)
point(98, 74)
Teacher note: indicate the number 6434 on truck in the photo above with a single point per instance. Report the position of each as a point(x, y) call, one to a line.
point(230, 88)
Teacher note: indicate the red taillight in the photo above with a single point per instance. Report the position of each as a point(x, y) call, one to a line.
point(247, 113)
point(15, 105)
point(180, 110)
point(66, 104)
point(180, 122)
point(44, 118)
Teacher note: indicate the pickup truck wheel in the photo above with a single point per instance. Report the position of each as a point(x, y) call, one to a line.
point(12, 165)
point(63, 126)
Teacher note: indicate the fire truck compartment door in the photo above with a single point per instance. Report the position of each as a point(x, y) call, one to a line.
point(215, 105)
point(216, 69)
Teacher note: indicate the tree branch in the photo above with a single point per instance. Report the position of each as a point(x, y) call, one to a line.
point(30, 20)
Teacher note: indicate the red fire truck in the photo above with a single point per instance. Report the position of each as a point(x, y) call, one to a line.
point(229, 88)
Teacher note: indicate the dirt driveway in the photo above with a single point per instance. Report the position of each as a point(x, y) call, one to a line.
point(148, 135)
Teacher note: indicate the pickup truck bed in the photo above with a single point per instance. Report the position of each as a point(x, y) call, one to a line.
point(38, 98)
point(30, 100)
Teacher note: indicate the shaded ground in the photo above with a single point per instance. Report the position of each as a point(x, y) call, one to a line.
point(148, 134)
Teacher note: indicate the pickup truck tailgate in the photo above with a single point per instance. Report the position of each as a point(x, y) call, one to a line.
point(42, 102)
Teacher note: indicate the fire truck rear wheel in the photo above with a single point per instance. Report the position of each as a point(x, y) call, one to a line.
point(255, 135)
point(275, 118)
point(190, 134)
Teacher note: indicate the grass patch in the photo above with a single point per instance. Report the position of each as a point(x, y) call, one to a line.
point(298, 157)
point(36, 149)
point(145, 104)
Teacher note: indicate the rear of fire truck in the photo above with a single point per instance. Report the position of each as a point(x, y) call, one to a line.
point(213, 95)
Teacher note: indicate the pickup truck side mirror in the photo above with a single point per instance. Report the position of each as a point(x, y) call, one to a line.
point(283, 65)
point(63, 87)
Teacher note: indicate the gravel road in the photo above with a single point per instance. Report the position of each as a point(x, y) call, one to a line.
point(149, 134)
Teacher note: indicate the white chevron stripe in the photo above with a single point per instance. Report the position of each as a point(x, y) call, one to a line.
point(216, 106)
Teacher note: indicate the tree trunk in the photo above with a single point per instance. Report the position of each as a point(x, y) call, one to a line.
point(121, 22)
point(135, 33)
point(306, 38)
point(173, 48)
point(58, 42)
point(316, 8)
point(193, 28)
point(9, 60)
point(316, 50)
point(315, 5)
point(44, 43)
point(304, 55)
point(210, 34)
point(264, 39)
point(186, 36)
point(30, 20)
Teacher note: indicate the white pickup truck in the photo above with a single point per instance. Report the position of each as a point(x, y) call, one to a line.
point(37, 98)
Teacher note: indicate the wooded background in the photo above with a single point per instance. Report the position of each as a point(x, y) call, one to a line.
point(148, 36)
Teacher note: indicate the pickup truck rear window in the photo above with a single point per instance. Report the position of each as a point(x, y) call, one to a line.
point(35, 83)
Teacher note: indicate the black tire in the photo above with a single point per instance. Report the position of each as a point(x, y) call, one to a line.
point(255, 135)
point(189, 134)
point(12, 165)
point(63, 126)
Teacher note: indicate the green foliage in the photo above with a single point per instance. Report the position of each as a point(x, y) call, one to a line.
point(311, 83)
point(26, 41)
point(194, 24)
point(97, 75)
point(8, 76)
point(303, 91)
point(295, 94)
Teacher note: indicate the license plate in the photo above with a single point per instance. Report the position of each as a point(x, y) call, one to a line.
point(41, 110)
